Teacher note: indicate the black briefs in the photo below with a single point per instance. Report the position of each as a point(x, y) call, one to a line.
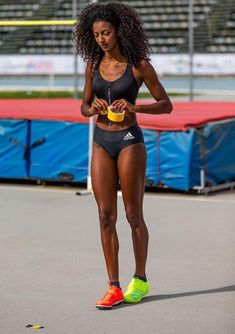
point(114, 141)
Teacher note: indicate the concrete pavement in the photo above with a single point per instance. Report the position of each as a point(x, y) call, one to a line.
point(52, 269)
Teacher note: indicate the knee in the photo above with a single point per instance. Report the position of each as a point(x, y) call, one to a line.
point(107, 219)
point(134, 218)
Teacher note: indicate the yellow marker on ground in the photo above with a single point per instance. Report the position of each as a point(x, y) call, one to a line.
point(35, 326)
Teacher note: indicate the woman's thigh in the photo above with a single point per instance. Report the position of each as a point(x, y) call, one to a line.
point(104, 175)
point(131, 168)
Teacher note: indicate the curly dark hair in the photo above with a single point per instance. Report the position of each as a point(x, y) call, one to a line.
point(132, 39)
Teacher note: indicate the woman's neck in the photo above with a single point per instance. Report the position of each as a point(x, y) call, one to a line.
point(114, 56)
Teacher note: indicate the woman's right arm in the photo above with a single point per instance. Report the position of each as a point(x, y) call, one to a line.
point(88, 94)
point(89, 106)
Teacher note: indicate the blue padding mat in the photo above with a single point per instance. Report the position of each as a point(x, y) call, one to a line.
point(151, 139)
point(169, 158)
point(219, 141)
point(60, 150)
point(13, 144)
point(178, 157)
point(175, 155)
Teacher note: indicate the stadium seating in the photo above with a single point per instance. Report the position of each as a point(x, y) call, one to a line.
point(225, 42)
point(165, 23)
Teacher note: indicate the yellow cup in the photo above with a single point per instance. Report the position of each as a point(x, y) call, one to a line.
point(115, 117)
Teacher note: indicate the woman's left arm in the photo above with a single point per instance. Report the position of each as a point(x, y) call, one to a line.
point(150, 78)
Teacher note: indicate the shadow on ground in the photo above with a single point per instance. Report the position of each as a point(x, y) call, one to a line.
point(180, 295)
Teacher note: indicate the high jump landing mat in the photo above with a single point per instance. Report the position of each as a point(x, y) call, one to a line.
point(47, 139)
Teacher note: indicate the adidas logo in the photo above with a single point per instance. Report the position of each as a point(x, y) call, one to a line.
point(128, 136)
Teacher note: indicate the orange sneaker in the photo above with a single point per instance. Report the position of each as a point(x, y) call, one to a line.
point(113, 296)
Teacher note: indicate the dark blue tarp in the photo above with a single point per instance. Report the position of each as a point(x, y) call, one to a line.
point(54, 150)
point(151, 139)
point(60, 149)
point(13, 143)
point(169, 158)
point(219, 140)
point(179, 157)
point(175, 154)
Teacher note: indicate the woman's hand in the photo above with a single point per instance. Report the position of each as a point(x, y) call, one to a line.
point(99, 106)
point(122, 104)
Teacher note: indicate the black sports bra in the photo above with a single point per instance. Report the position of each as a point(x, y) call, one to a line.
point(125, 87)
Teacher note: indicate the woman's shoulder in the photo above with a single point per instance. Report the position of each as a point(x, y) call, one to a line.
point(143, 65)
point(91, 67)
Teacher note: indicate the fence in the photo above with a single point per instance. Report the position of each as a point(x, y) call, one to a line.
point(192, 42)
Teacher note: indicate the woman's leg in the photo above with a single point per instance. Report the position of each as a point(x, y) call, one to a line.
point(131, 168)
point(104, 177)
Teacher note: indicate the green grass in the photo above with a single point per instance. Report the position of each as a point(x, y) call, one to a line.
point(36, 94)
point(59, 94)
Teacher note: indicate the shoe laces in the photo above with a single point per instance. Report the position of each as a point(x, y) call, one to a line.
point(110, 292)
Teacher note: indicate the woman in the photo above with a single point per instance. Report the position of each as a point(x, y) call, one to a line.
point(110, 38)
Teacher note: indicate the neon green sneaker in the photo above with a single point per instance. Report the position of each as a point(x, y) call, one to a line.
point(136, 290)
